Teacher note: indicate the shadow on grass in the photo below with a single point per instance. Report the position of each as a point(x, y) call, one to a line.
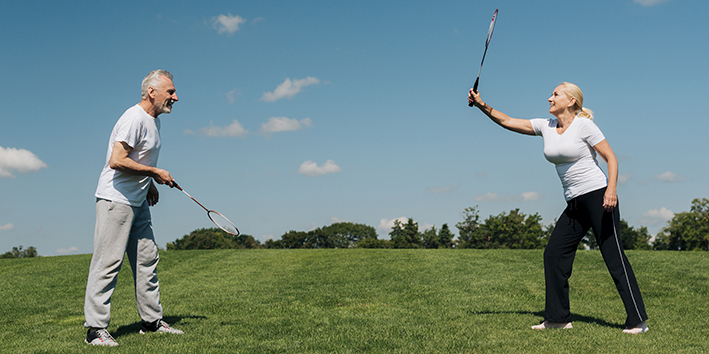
point(135, 327)
point(574, 317)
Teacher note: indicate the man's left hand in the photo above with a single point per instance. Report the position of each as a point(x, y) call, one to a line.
point(153, 194)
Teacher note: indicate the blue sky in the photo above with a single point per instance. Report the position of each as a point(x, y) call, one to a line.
point(297, 114)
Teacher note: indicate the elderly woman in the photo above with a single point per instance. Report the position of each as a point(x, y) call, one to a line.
point(571, 142)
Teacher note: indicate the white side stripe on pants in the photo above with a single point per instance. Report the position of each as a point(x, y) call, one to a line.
point(625, 270)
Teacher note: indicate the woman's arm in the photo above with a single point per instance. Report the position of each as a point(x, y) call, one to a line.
point(522, 126)
point(610, 199)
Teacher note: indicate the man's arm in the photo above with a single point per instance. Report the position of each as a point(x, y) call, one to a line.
point(121, 162)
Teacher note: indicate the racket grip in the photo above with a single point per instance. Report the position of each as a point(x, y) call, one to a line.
point(475, 89)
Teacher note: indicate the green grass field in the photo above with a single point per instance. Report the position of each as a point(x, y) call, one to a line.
point(360, 301)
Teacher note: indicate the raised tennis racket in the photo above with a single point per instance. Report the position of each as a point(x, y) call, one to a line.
point(487, 43)
point(217, 218)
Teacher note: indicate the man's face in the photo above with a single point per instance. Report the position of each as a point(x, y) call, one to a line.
point(165, 95)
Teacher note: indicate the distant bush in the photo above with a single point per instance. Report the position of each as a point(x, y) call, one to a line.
point(337, 235)
point(19, 252)
point(213, 238)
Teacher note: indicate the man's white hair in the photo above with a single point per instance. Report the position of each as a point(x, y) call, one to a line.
point(152, 80)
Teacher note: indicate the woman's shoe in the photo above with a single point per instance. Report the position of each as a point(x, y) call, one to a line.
point(639, 328)
point(550, 324)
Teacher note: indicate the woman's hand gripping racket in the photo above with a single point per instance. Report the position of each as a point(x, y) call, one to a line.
point(487, 43)
point(216, 217)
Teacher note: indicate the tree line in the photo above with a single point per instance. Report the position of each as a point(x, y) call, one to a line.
point(20, 252)
point(507, 230)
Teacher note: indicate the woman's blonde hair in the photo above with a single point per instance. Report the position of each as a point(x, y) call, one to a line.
point(574, 91)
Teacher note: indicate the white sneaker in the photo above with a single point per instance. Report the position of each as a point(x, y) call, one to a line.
point(100, 337)
point(640, 328)
point(549, 324)
point(159, 326)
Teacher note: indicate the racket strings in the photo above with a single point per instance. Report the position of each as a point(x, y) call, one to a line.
point(223, 223)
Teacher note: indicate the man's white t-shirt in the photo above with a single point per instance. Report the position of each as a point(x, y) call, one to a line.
point(141, 132)
point(573, 154)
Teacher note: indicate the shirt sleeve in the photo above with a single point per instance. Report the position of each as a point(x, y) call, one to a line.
point(538, 125)
point(129, 132)
point(591, 133)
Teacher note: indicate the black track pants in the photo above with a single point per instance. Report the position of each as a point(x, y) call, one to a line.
point(581, 214)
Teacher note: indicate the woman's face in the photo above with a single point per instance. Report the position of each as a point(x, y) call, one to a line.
point(559, 101)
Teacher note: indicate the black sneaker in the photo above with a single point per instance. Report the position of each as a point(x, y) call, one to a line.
point(100, 336)
point(159, 326)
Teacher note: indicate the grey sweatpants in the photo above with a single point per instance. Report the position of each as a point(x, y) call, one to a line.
point(122, 229)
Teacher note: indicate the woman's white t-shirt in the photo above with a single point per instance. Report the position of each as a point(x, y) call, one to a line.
point(573, 154)
point(141, 132)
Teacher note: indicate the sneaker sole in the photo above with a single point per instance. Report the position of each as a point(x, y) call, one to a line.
point(101, 345)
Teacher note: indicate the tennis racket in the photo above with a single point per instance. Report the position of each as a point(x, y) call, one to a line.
point(217, 218)
point(487, 43)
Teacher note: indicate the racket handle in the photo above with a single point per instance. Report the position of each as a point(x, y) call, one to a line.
point(475, 89)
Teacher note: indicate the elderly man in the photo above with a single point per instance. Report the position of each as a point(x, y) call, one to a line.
point(123, 223)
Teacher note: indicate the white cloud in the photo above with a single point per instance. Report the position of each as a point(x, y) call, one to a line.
point(623, 179)
point(657, 216)
point(669, 177)
point(20, 160)
point(530, 196)
point(68, 250)
point(288, 89)
point(7, 227)
point(227, 23)
point(310, 168)
point(235, 129)
point(335, 220)
point(385, 225)
point(649, 2)
point(233, 95)
point(425, 227)
point(490, 197)
point(283, 124)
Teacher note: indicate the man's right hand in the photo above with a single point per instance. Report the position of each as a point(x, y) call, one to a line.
point(161, 176)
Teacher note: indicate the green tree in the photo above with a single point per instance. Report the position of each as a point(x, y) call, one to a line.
point(212, 238)
point(277, 244)
point(412, 234)
point(445, 237)
point(398, 240)
point(406, 235)
point(430, 238)
point(469, 229)
point(337, 235)
point(345, 235)
point(245, 241)
point(514, 230)
point(634, 239)
point(297, 239)
point(686, 230)
point(20, 252)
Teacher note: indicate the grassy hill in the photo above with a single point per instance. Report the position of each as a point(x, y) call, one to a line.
point(360, 301)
